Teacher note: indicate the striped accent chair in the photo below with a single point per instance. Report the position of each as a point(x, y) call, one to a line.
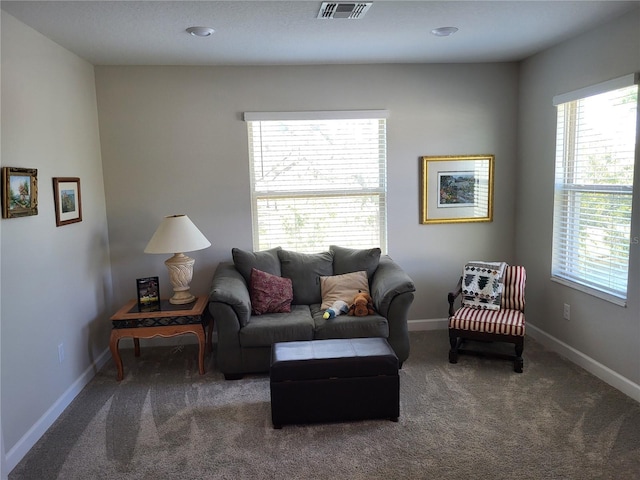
point(504, 325)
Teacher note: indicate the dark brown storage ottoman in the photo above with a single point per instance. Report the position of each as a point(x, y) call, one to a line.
point(334, 380)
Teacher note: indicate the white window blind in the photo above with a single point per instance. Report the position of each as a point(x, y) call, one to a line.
point(595, 156)
point(318, 179)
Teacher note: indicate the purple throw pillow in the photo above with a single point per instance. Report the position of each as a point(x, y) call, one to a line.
point(270, 293)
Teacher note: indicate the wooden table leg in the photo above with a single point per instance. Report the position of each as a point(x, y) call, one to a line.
point(210, 335)
point(201, 348)
point(116, 334)
point(113, 346)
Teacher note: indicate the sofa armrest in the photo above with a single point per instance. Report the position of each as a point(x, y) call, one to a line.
point(388, 282)
point(229, 287)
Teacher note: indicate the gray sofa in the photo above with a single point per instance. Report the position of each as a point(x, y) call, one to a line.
point(245, 339)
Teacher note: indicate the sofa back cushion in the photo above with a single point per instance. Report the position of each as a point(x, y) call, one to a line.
point(347, 260)
point(305, 270)
point(265, 261)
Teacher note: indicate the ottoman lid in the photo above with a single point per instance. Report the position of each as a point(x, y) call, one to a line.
point(339, 358)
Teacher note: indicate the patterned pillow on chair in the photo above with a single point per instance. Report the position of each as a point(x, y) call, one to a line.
point(482, 285)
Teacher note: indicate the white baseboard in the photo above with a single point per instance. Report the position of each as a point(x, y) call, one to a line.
point(26, 443)
point(592, 366)
point(428, 324)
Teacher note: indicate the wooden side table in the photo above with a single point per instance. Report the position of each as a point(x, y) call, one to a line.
point(169, 321)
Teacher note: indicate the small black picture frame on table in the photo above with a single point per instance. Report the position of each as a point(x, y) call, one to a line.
point(148, 294)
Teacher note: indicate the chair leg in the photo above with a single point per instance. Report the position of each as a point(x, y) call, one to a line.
point(453, 352)
point(518, 362)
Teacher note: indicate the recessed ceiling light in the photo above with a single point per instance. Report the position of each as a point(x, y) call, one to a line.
point(201, 31)
point(444, 31)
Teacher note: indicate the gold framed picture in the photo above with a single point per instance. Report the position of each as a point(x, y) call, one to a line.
point(456, 189)
point(19, 192)
point(67, 199)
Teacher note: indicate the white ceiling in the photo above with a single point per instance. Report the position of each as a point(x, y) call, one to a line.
point(288, 32)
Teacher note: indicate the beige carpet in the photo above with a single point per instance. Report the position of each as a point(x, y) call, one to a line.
point(474, 420)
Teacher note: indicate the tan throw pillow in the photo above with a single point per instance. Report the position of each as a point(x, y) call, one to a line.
point(342, 287)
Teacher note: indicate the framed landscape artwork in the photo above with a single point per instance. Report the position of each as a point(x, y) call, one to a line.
point(19, 192)
point(68, 202)
point(457, 189)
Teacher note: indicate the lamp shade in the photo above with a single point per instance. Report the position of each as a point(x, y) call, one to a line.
point(177, 234)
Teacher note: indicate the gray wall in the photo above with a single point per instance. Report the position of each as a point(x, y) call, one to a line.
point(173, 141)
point(56, 281)
point(605, 332)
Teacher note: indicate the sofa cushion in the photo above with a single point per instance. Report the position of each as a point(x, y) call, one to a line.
point(269, 293)
point(265, 330)
point(342, 287)
point(346, 260)
point(344, 326)
point(265, 260)
point(482, 285)
point(305, 270)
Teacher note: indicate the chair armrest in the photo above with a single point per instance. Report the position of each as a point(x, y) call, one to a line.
point(229, 287)
point(388, 282)
point(451, 296)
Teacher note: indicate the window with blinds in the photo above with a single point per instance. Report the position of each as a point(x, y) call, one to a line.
point(595, 156)
point(318, 179)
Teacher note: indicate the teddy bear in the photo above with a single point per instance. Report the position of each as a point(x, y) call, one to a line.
point(362, 305)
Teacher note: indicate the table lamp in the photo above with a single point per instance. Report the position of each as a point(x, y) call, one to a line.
point(177, 233)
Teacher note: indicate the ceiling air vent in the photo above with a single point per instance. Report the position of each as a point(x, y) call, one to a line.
point(351, 11)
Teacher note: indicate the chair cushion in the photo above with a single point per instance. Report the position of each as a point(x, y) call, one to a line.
point(504, 321)
point(514, 280)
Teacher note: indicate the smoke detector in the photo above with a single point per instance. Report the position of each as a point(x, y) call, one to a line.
point(351, 11)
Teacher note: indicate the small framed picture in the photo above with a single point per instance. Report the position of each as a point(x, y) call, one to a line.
point(148, 294)
point(19, 192)
point(457, 189)
point(68, 202)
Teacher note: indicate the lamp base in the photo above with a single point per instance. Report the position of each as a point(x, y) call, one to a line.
point(181, 298)
point(180, 274)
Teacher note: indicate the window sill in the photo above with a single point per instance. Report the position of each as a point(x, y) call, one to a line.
point(622, 302)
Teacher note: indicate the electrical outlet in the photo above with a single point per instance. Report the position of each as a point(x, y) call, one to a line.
point(567, 312)
point(61, 353)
